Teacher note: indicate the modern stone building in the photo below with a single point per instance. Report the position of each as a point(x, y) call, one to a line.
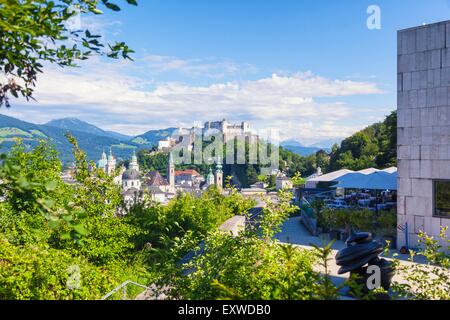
point(423, 130)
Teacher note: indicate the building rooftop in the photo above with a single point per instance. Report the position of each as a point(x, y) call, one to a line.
point(154, 178)
point(190, 172)
point(332, 175)
point(130, 191)
point(131, 175)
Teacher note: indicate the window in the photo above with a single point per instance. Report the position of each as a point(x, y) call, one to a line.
point(442, 198)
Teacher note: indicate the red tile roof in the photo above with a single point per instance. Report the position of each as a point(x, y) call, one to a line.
point(190, 172)
point(154, 178)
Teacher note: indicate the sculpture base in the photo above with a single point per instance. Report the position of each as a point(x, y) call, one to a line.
point(363, 279)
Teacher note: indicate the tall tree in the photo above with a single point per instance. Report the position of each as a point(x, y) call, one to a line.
point(374, 146)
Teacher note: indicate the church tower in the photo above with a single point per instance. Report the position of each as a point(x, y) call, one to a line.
point(210, 178)
point(111, 164)
point(219, 175)
point(102, 163)
point(134, 165)
point(171, 174)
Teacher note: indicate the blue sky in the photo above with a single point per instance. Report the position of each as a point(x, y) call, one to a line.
point(311, 69)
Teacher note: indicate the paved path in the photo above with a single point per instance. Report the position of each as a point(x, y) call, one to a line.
point(295, 233)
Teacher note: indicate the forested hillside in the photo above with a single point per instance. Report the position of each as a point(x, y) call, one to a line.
point(93, 140)
point(374, 146)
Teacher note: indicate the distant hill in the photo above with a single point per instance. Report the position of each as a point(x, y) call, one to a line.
point(298, 148)
point(151, 138)
point(91, 139)
point(326, 144)
point(119, 136)
point(302, 151)
point(74, 124)
point(374, 146)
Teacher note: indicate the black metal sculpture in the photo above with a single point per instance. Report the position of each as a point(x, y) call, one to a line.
point(361, 253)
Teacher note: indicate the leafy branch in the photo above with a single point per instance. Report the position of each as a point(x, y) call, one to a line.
point(33, 32)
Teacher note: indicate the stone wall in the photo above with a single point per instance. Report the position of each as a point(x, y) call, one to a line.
point(423, 86)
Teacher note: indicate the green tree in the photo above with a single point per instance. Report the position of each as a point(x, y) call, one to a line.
point(430, 281)
point(374, 146)
point(297, 180)
point(251, 265)
point(48, 227)
point(34, 32)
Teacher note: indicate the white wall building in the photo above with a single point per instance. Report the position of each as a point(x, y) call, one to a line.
point(229, 130)
point(283, 182)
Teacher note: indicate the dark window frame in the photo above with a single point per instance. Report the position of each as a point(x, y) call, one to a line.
point(435, 215)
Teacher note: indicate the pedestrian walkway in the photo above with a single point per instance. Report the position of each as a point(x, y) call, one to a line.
point(295, 233)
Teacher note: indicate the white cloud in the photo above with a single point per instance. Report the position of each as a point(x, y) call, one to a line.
point(104, 94)
point(212, 68)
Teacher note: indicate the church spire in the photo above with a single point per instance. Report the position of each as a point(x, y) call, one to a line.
point(219, 164)
point(111, 164)
point(134, 165)
point(103, 161)
point(171, 173)
point(219, 174)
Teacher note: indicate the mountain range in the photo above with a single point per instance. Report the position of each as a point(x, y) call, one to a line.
point(91, 139)
point(300, 149)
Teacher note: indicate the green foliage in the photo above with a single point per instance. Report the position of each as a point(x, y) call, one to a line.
point(40, 272)
point(429, 281)
point(327, 290)
point(246, 267)
point(375, 146)
point(251, 265)
point(197, 214)
point(48, 226)
point(358, 219)
point(243, 174)
point(387, 223)
point(275, 213)
point(272, 181)
point(262, 178)
point(33, 32)
point(152, 161)
point(383, 222)
point(297, 180)
point(95, 190)
point(31, 185)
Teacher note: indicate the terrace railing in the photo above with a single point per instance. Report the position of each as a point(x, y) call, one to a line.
point(308, 216)
point(123, 288)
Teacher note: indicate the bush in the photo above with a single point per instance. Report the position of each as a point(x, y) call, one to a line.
point(387, 223)
point(246, 267)
point(430, 281)
point(159, 224)
point(41, 273)
point(359, 220)
point(251, 265)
